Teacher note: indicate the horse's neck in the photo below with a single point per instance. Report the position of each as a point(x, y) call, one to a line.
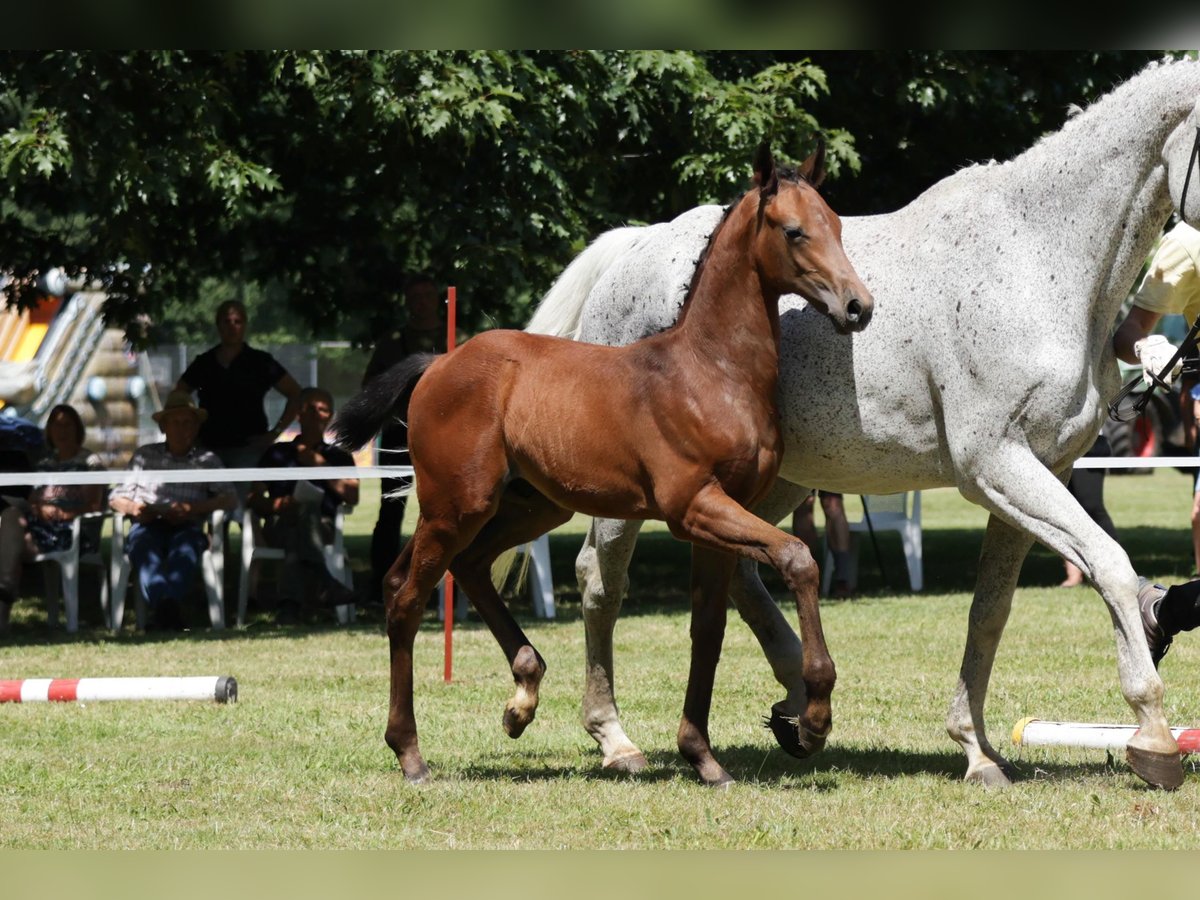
point(1096, 189)
point(728, 317)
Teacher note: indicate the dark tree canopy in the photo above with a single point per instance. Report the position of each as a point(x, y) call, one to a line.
point(316, 179)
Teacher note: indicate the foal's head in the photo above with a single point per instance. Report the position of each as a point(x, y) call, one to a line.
point(798, 245)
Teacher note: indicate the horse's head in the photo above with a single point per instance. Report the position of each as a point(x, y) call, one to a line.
point(1181, 156)
point(799, 242)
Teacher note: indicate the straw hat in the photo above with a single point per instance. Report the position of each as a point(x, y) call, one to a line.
point(180, 400)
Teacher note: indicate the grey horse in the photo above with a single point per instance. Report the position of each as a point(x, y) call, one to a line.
point(987, 367)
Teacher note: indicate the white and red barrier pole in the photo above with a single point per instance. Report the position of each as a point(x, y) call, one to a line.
point(1033, 732)
point(221, 688)
point(448, 594)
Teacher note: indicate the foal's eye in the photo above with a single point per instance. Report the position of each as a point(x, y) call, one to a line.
point(794, 233)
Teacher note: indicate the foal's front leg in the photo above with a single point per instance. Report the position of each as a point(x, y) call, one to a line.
point(713, 519)
point(711, 571)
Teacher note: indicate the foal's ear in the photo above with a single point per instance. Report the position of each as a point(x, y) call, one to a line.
point(765, 175)
point(813, 169)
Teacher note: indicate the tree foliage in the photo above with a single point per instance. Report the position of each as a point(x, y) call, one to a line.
point(320, 177)
point(311, 181)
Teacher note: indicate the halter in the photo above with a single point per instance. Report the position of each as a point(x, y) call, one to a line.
point(1158, 379)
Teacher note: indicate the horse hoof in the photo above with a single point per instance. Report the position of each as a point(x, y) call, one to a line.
point(990, 776)
point(724, 781)
point(630, 763)
point(791, 735)
point(1161, 770)
point(515, 723)
point(416, 774)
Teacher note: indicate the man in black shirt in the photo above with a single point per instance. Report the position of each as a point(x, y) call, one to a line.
point(232, 380)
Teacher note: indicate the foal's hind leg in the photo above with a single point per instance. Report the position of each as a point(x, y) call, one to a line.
point(524, 515)
point(406, 585)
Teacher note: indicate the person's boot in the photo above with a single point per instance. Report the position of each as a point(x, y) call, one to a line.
point(1150, 596)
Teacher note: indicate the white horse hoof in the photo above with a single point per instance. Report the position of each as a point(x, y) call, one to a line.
point(629, 763)
point(990, 776)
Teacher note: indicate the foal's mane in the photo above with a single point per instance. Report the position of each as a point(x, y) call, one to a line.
point(783, 173)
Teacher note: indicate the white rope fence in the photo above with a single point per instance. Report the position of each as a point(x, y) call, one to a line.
point(202, 476)
point(1137, 462)
point(308, 473)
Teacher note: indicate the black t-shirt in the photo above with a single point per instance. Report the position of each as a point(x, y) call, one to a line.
point(283, 456)
point(233, 396)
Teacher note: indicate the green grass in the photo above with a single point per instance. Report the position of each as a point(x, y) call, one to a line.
point(300, 762)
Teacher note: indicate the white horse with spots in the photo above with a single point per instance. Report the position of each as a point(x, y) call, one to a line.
point(987, 367)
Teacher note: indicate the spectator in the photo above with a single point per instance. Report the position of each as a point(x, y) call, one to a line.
point(46, 523)
point(300, 514)
point(837, 534)
point(232, 380)
point(423, 331)
point(167, 539)
point(1087, 486)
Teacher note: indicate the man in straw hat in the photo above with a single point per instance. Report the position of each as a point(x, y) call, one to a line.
point(167, 539)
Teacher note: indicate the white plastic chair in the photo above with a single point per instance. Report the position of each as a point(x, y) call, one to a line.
point(335, 560)
point(888, 512)
point(543, 584)
point(212, 569)
point(66, 580)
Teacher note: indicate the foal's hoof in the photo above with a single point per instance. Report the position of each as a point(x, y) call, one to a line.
point(415, 773)
point(792, 735)
point(1162, 770)
point(515, 722)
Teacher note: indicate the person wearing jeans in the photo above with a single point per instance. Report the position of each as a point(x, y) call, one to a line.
point(167, 539)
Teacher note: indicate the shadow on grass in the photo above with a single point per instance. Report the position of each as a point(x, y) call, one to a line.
point(760, 765)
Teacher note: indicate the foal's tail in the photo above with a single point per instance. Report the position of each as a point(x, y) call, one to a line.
point(561, 309)
point(387, 393)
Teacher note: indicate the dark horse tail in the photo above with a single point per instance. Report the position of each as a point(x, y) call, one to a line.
point(385, 395)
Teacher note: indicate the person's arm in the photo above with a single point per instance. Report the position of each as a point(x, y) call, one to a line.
point(182, 385)
point(261, 501)
point(290, 388)
point(1137, 325)
point(346, 489)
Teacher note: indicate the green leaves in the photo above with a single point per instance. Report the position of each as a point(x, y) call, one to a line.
point(39, 145)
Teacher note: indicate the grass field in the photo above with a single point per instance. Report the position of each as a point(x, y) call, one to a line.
point(300, 762)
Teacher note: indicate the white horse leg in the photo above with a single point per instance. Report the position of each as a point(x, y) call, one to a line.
point(602, 568)
point(1004, 549)
point(1019, 489)
point(779, 641)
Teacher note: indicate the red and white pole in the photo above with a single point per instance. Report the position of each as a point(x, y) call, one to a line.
point(221, 688)
point(1033, 732)
point(448, 594)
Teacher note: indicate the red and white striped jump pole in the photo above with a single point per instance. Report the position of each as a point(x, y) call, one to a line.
point(1033, 732)
point(221, 688)
point(448, 594)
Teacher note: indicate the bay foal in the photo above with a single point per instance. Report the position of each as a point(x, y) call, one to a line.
point(512, 432)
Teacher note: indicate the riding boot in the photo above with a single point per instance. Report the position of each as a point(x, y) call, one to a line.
point(1179, 610)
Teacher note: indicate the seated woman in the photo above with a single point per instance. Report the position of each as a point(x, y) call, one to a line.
point(45, 525)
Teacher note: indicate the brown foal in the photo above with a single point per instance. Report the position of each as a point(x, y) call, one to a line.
point(512, 432)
